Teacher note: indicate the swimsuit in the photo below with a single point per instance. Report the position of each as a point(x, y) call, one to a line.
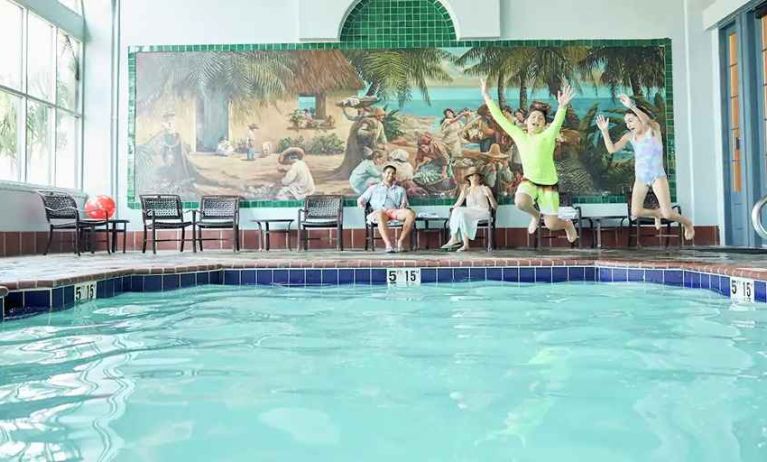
point(648, 159)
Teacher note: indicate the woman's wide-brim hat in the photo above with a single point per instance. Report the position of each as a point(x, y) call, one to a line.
point(472, 171)
point(291, 153)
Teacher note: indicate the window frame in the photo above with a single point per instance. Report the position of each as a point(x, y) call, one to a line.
point(22, 148)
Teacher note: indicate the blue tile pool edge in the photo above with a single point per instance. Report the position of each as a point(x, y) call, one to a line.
point(22, 303)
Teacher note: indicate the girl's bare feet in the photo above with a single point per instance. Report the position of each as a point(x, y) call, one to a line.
point(533, 226)
point(689, 232)
point(572, 233)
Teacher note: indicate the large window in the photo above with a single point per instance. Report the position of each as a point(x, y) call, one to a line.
point(40, 109)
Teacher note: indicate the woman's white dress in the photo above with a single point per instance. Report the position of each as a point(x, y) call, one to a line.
point(464, 220)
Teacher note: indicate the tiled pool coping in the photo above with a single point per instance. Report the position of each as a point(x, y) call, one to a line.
point(22, 298)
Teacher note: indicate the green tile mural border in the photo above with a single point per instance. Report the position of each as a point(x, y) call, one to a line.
point(133, 202)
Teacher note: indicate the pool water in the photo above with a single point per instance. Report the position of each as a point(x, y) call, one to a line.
point(471, 372)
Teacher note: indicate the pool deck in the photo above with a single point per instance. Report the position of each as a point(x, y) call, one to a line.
point(29, 272)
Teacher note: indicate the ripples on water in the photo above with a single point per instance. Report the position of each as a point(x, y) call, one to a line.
point(480, 371)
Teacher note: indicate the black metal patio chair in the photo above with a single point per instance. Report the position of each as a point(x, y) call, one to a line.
point(62, 214)
point(217, 212)
point(321, 212)
point(164, 212)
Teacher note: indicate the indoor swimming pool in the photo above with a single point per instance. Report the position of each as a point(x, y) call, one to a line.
point(468, 371)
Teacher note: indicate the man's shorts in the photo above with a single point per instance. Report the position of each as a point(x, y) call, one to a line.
point(547, 197)
point(390, 213)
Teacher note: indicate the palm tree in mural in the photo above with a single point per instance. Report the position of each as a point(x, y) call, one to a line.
point(523, 67)
point(637, 68)
point(501, 65)
point(395, 73)
point(215, 79)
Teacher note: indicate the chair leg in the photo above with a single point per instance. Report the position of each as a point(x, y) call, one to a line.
point(340, 238)
point(538, 237)
point(236, 244)
point(50, 238)
point(143, 246)
point(77, 240)
point(154, 240)
point(194, 239)
point(183, 238)
point(489, 231)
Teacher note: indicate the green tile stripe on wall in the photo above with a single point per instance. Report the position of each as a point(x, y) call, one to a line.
point(376, 24)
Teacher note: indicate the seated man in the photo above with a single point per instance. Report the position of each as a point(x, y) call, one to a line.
point(389, 202)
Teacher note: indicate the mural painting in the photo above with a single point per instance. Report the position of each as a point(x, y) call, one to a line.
point(279, 125)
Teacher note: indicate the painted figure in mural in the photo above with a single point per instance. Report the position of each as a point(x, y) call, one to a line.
point(371, 133)
point(481, 130)
point(400, 159)
point(174, 152)
point(431, 163)
point(389, 202)
point(645, 137)
point(224, 147)
point(298, 181)
point(452, 127)
point(367, 130)
point(496, 171)
point(478, 199)
point(520, 115)
point(536, 150)
point(368, 172)
point(252, 152)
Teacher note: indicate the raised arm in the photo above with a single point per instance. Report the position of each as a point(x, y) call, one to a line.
point(511, 129)
point(564, 97)
point(643, 117)
point(604, 127)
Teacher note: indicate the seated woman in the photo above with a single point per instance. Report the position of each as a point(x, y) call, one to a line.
point(463, 220)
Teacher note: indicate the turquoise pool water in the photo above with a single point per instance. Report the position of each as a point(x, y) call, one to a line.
point(470, 372)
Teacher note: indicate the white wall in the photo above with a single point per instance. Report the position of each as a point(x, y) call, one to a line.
point(151, 22)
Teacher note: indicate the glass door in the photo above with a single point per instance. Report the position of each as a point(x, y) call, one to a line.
point(760, 36)
point(736, 206)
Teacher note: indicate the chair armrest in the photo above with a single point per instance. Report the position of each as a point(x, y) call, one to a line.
point(678, 208)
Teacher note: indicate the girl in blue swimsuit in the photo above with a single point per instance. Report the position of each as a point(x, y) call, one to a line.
point(645, 136)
